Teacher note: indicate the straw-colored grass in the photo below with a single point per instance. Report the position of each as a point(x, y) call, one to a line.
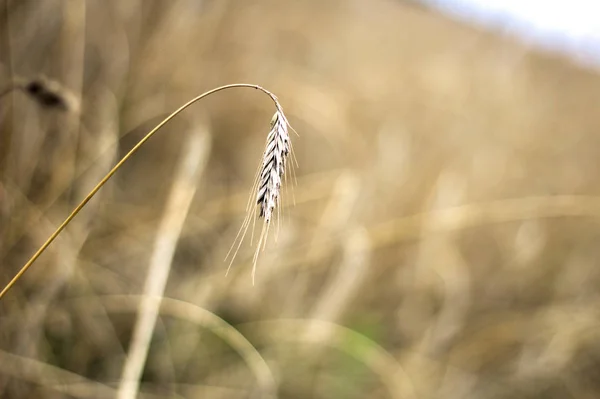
point(443, 241)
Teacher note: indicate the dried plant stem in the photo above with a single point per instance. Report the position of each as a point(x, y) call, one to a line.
point(180, 199)
point(344, 286)
point(91, 194)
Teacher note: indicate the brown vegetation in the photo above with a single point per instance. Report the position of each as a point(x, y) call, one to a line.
point(443, 242)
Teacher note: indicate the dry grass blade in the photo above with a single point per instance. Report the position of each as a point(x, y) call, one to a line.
point(180, 199)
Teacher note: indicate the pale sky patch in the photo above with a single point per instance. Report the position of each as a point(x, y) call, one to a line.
point(572, 27)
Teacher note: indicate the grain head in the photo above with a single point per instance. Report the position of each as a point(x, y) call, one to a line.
point(267, 186)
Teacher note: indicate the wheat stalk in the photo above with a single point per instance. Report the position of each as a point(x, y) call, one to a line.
point(280, 127)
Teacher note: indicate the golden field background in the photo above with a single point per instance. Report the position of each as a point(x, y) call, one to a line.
point(444, 240)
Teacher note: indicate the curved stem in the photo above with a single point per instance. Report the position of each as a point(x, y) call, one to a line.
point(88, 197)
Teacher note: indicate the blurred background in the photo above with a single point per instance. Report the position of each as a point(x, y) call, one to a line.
point(440, 239)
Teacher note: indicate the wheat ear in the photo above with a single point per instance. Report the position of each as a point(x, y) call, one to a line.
point(266, 189)
point(88, 197)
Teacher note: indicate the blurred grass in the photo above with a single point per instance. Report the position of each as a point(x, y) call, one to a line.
point(446, 204)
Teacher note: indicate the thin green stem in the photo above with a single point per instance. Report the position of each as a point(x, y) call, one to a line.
point(88, 197)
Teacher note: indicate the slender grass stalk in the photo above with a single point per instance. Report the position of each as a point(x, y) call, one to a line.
point(176, 211)
point(102, 182)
